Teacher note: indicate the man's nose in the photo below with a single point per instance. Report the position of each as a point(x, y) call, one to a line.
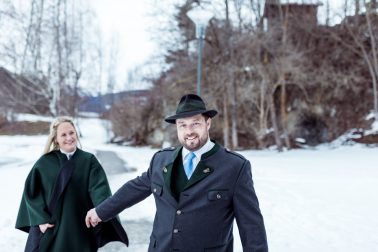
point(189, 129)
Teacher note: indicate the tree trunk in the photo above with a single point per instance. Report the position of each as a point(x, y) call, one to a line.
point(356, 7)
point(284, 115)
point(225, 122)
point(375, 61)
point(346, 8)
point(282, 79)
point(328, 11)
point(262, 115)
point(234, 118)
point(273, 117)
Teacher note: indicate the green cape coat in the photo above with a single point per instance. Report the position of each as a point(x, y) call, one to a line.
point(87, 188)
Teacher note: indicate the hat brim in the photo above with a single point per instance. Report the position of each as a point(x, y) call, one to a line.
point(172, 119)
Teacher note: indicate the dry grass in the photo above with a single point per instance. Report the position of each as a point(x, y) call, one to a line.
point(367, 139)
point(24, 128)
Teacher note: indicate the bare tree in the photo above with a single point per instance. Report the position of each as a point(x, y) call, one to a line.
point(346, 7)
point(363, 43)
point(231, 84)
point(52, 41)
point(256, 6)
point(260, 81)
point(374, 56)
point(32, 48)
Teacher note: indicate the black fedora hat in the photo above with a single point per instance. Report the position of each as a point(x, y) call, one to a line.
point(190, 105)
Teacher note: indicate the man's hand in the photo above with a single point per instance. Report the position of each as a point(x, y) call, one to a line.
point(92, 218)
point(44, 227)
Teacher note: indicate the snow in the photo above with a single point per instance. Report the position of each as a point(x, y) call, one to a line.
point(375, 126)
point(319, 199)
point(31, 118)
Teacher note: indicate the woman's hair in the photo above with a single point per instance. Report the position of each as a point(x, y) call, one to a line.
point(51, 143)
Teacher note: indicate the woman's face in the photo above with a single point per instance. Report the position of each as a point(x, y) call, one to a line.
point(66, 137)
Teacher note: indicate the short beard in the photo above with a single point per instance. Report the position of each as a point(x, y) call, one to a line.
point(196, 146)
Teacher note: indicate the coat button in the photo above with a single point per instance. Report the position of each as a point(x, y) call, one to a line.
point(155, 190)
point(175, 230)
point(178, 212)
point(219, 196)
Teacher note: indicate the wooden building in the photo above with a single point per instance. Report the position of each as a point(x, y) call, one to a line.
point(276, 13)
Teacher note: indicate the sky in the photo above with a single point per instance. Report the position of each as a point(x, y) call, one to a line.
point(315, 199)
point(128, 24)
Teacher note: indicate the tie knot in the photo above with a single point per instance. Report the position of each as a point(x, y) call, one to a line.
point(190, 156)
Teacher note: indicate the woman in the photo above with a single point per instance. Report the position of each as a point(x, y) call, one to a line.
point(60, 226)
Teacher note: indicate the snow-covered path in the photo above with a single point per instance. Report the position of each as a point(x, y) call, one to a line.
point(319, 200)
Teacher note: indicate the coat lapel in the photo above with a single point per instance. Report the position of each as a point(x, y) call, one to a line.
point(167, 170)
point(202, 170)
point(167, 174)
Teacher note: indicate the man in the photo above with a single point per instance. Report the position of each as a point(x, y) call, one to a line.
point(199, 189)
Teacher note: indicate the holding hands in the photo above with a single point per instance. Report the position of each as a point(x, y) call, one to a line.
point(92, 218)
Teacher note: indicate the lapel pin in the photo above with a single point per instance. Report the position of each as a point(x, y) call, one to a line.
point(207, 170)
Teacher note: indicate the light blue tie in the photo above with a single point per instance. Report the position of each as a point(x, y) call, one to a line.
point(188, 164)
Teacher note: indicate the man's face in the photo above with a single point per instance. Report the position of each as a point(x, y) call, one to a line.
point(193, 131)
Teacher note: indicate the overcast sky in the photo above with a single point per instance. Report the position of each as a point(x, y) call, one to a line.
point(127, 24)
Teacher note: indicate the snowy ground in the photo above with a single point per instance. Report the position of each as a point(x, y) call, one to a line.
point(321, 199)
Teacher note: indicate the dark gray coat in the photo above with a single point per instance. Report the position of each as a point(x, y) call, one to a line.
point(219, 191)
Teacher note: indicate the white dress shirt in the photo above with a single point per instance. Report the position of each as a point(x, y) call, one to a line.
point(198, 153)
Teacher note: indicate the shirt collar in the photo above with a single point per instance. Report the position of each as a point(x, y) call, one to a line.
point(68, 154)
point(208, 146)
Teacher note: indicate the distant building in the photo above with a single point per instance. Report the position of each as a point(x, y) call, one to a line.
point(19, 93)
point(276, 13)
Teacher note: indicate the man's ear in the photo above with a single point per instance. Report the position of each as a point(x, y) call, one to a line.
point(208, 123)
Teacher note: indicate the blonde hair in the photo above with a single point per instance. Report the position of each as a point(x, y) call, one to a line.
point(51, 143)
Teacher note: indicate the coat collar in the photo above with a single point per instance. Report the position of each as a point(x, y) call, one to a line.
point(63, 157)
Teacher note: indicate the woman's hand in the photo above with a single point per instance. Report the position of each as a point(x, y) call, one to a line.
point(44, 227)
point(92, 218)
